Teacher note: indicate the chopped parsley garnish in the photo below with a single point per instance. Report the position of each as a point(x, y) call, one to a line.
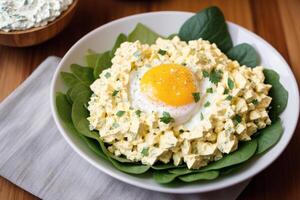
point(138, 113)
point(166, 118)
point(120, 113)
point(162, 52)
point(201, 116)
point(145, 151)
point(230, 83)
point(205, 73)
point(115, 125)
point(196, 96)
point(226, 91)
point(209, 90)
point(207, 104)
point(254, 101)
point(181, 131)
point(215, 76)
point(107, 75)
point(115, 92)
point(237, 119)
point(229, 97)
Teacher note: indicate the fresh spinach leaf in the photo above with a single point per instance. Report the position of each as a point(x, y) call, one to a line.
point(210, 175)
point(69, 79)
point(143, 34)
point(91, 59)
point(68, 94)
point(245, 54)
point(170, 37)
point(269, 136)
point(84, 74)
point(231, 169)
point(121, 38)
point(244, 152)
point(64, 110)
point(103, 62)
point(162, 166)
point(163, 176)
point(278, 93)
point(109, 154)
point(79, 90)
point(79, 116)
point(210, 25)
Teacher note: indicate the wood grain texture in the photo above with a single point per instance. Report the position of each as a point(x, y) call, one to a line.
point(275, 21)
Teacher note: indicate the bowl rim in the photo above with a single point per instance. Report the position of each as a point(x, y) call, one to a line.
point(159, 188)
point(64, 13)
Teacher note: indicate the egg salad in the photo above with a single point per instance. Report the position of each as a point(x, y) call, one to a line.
point(177, 102)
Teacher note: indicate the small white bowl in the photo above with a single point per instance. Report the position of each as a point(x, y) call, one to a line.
point(166, 23)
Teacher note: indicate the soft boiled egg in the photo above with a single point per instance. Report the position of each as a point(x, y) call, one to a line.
point(165, 88)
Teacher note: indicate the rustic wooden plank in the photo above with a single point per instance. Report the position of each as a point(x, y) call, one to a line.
point(236, 11)
point(290, 16)
point(277, 23)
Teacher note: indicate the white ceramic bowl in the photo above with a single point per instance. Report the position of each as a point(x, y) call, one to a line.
point(166, 23)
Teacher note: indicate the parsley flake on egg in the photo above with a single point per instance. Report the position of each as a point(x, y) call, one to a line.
point(215, 76)
point(162, 52)
point(196, 96)
point(166, 118)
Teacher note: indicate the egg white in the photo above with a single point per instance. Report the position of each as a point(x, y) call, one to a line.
point(188, 115)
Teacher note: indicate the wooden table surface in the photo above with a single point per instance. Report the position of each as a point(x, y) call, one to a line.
point(277, 21)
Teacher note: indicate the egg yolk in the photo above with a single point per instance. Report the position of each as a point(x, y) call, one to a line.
point(171, 84)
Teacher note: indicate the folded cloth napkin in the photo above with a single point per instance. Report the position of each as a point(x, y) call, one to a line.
point(34, 155)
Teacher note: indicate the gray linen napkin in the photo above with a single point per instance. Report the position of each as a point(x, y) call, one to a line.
point(34, 155)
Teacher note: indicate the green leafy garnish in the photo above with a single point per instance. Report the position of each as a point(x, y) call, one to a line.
point(230, 83)
point(278, 93)
point(209, 175)
point(115, 92)
point(84, 74)
point(143, 34)
point(215, 76)
point(207, 104)
point(120, 113)
point(103, 62)
point(229, 97)
point(163, 177)
point(138, 113)
point(269, 136)
point(245, 54)
point(254, 101)
point(107, 75)
point(145, 151)
point(64, 110)
point(121, 38)
point(205, 73)
point(69, 79)
point(237, 119)
point(208, 24)
point(162, 52)
point(226, 91)
point(209, 90)
point(196, 96)
point(166, 118)
point(201, 116)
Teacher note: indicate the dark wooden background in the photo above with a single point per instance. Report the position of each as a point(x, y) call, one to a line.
point(277, 21)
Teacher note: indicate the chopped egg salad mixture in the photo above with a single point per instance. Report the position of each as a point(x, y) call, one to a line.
point(177, 102)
